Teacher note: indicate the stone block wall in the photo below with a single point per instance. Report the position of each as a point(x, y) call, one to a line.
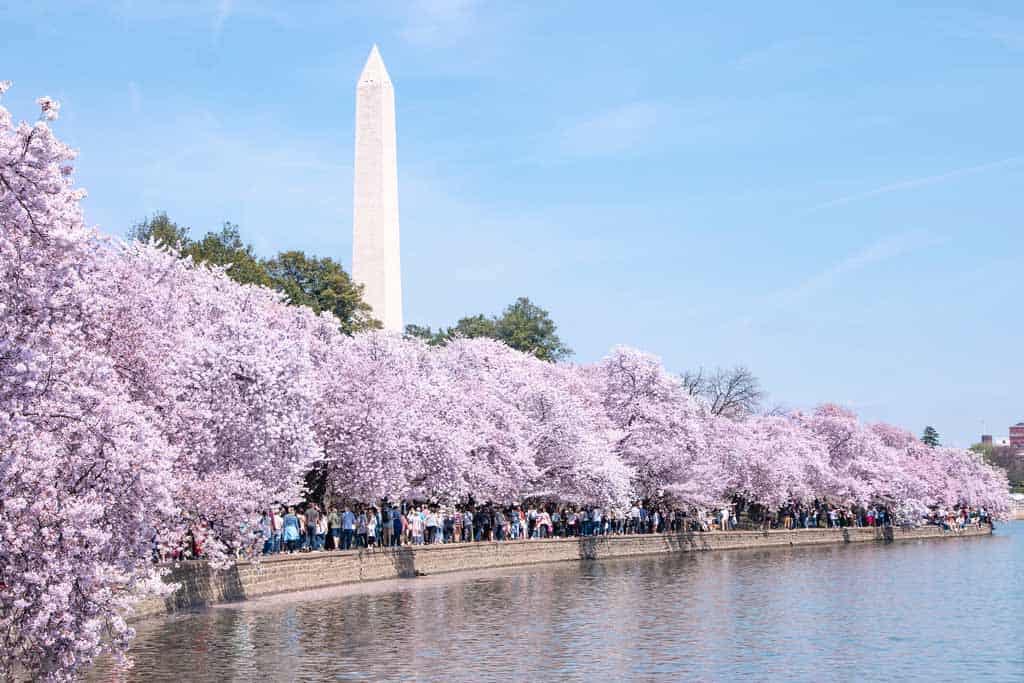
point(199, 585)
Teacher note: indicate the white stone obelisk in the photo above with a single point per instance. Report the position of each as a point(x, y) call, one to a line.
point(375, 249)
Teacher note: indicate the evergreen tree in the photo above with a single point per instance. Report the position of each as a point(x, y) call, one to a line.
point(226, 248)
point(319, 283)
point(161, 229)
point(930, 437)
point(523, 326)
point(529, 328)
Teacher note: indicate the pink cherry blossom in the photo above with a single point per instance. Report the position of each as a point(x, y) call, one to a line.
point(143, 396)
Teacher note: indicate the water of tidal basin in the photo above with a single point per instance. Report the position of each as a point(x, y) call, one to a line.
point(927, 610)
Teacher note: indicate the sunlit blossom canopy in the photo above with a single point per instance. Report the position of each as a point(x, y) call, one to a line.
point(142, 396)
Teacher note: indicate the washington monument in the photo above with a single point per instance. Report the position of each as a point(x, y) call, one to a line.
point(375, 251)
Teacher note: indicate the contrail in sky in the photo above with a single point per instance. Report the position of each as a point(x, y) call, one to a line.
point(917, 182)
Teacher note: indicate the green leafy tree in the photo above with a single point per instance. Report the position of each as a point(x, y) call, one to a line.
point(323, 285)
point(472, 327)
point(226, 248)
point(162, 229)
point(529, 328)
point(320, 283)
point(421, 332)
point(930, 437)
point(524, 326)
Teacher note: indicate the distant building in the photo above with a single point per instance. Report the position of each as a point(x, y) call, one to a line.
point(996, 442)
point(1017, 435)
point(1017, 505)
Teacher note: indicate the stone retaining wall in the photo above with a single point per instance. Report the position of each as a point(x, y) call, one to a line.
point(199, 585)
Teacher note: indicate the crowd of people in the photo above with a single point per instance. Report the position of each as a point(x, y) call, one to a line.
point(958, 518)
point(312, 527)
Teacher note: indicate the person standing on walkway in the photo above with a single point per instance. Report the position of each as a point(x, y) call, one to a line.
point(334, 527)
point(348, 528)
point(321, 532)
point(416, 525)
point(448, 525)
point(478, 525)
point(396, 526)
point(302, 529)
point(361, 529)
point(499, 525)
point(277, 529)
point(312, 517)
point(430, 523)
point(265, 534)
point(371, 528)
point(467, 525)
point(457, 519)
point(385, 526)
point(291, 530)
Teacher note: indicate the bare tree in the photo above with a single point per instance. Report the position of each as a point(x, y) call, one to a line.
point(776, 410)
point(694, 382)
point(733, 393)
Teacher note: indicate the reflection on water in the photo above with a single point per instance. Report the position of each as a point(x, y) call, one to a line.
point(939, 610)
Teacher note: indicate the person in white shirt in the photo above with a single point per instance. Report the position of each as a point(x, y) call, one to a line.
point(276, 529)
point(371, 527)
point(633, 523)
point(430, 521)
point(416, 523)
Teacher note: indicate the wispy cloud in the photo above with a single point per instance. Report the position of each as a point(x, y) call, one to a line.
point(615, 130)
point(439, 23)
point(914, 183)
point(882, 250)
point(789, 299)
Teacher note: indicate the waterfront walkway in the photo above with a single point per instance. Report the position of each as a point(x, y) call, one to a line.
point(200, 585)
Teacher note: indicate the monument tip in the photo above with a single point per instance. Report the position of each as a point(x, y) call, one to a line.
point(374, 70)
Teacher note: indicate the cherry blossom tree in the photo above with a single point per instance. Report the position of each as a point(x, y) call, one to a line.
point(540, 424)
point(774, 460)
point(85, 476)
point(943, 476)
point(143, 395)
point(139, 395)
point(388, 421)
point(474, 418)
point(228, 370)
point(663, 432)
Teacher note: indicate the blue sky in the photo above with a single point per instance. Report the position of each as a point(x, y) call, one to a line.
point(831, 195)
